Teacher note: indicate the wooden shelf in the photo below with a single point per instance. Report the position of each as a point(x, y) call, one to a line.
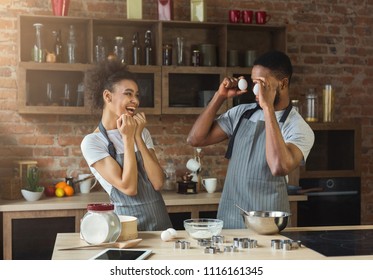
point(165, 89)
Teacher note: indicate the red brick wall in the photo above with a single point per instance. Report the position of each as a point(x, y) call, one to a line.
point(328, 41)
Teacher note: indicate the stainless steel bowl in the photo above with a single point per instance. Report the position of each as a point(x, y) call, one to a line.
point(266, 222)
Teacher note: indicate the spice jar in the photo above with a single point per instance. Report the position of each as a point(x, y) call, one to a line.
point(311, 110)
point(100, 224)
point(196, 58)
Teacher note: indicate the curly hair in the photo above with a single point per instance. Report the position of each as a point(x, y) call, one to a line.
point(104, 76)
point(278, 62)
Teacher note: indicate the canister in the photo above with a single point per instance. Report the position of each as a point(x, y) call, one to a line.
point(311, 110)
point(328, 104)
point(100, 224)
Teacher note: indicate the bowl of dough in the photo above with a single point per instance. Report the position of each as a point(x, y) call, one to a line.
point(266, 222)
point(203, 228)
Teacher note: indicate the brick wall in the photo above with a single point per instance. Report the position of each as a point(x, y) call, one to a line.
point(328, 41)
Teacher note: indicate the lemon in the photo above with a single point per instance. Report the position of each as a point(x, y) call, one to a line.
point(60, 192)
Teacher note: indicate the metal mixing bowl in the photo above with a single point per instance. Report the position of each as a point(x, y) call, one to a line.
point(266, 222)
point(203, 228)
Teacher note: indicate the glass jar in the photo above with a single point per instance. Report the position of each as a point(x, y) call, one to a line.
point(312, 108)
point(100, 224)
point(38, 54)
point(295, 104)
point(100, 50)
point(119, 49)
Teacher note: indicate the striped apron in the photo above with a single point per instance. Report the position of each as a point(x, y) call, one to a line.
point(148, 205)
point(249, 182)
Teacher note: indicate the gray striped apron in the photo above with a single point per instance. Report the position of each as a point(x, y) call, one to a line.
point(148, 205)
point(249, 182)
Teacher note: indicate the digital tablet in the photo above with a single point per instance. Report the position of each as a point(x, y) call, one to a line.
point(122, 254)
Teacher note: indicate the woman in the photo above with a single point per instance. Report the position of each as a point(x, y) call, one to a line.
point(120, 152)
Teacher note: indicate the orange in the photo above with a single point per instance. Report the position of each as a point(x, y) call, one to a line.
point(59, 192)
point(61, 185)
point(69, 190)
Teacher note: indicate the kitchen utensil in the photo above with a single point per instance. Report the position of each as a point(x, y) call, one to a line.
point(266, 222)
point(121, 245)
point(203, 228)
point(246, 212)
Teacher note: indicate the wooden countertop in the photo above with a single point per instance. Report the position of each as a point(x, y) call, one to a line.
point(165, 250)
point(80, 201)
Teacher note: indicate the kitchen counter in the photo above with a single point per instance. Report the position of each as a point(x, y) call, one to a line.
point(75, 206)
point(165, 250)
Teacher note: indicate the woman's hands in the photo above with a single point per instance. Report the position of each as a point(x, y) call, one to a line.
point(131, 127)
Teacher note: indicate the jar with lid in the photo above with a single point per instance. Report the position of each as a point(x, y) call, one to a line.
point(311, 106)
point(100, 224)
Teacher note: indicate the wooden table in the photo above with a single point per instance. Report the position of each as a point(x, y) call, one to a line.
point(165, 250)
point(75, 206)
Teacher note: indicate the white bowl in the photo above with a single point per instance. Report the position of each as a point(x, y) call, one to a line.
point(32, 196)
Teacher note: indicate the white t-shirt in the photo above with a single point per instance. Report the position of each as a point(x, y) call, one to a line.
point(295, 129)
point(95, 147)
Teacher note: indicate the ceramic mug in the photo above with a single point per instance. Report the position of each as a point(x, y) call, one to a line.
point(247, 16)
point(193, 165)
point(86, 186)
point(129, 228)
point(210, 184)
point(234, 16)
point(261, 17)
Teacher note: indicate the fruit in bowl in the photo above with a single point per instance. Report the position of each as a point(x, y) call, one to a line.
point(203, 228)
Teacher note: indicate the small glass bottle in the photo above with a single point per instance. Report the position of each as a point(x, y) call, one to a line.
point(100, 50)
point(38, 53)
point(311, 110)
point(148, 48)
point(71, 46)
point(100, 224)
point(136, 50)
point(119, 49)
point(58, 46)
point(167, 54)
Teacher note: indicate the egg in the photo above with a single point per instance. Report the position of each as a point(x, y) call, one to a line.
point(166, 235)
point(256, 89)
point(172, 232)
point(242, 84)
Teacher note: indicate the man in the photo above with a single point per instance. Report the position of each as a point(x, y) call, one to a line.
point(268, 139)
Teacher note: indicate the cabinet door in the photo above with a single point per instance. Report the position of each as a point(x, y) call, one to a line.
point(51, 89)
point(149, 81)
point(187, 90)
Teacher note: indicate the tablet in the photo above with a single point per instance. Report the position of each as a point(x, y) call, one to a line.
point(122, 254)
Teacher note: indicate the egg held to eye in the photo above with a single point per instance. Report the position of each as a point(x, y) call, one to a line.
point(256, 89)
point(242, 84)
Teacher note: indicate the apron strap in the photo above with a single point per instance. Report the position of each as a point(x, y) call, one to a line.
point(112, 151)
point(247, 115)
